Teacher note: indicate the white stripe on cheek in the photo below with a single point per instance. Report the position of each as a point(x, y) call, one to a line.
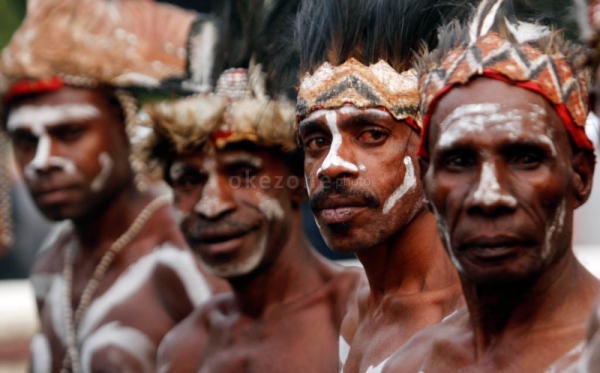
point(409, 182)
point(270, 207)
point(489, 192)
point(106, 167)
point(333, 159)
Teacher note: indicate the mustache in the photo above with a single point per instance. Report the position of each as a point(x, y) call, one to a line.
point(341, 189)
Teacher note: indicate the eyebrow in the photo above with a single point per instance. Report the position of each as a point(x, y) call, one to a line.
point(313, 118)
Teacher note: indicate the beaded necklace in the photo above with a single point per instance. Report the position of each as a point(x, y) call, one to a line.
point(71, 359)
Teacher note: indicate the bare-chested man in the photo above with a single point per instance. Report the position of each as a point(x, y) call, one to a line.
point(359, 124)
point(117, 275)
point(231, 157)
point(505, 162)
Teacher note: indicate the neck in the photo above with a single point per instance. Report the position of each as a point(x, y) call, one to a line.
point(293, 273)
point(102, 226)
point(411, 261)
point(561, 297)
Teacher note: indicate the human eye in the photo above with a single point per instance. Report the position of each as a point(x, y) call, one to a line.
point(68, 133)
point(24, 141)
point(316, 143)
point(188, 180)
point(372, 136)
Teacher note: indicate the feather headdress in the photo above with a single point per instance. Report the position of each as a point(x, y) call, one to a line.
point(115, 42)
point(361, 52)
point(498, 46)
point(241, 71)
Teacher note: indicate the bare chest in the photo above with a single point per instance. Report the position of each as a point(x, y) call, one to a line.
point(298, 341)
point(380, 334)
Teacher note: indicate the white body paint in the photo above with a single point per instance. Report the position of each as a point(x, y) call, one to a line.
point(344, 351)
point(478, 118)
point(243, 267)
point(106, 167)
point(92, 335)
point(132, 341)
point(137, 275)
point(41, 357)
point(409, 182)
point(378, 368)
point(489, 192)
point(38, 119)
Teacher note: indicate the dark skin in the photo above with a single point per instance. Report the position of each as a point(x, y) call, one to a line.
point(411, 282)
point(528, 298)
point(99, 215)
point(287, 306)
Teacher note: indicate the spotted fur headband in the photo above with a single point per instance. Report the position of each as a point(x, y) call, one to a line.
point(378, 85)
point(238, 110)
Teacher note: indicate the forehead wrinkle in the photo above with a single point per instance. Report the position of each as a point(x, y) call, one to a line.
point(49, 115)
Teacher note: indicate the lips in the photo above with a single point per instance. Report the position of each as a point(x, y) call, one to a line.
point(336, 210)
point(220, 241)
point(53, 195)
point(493, 247)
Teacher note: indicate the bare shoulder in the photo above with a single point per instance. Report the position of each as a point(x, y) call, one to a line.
point(411, 357)
point(343, 284)
point(50, 257)
point(181, 348)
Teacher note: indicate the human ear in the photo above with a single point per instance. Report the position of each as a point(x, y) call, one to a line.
point(584, 163)
point(423, 167)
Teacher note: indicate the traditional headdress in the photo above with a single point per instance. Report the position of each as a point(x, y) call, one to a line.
point(89, 43)
point(361, 52)
point(241, 76)
point(526, 55)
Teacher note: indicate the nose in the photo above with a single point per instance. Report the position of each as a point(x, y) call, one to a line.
point(489, 196)
point(216, 200)
point(340, 161)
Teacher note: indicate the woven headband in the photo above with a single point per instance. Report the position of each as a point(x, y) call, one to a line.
point(522, 65)
point(378, 85)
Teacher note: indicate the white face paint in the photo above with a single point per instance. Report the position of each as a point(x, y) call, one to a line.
point(106, 167)
point(272, 210)
point(270, 207)
point(409, 183)
point(479, 118)
point(38, 119)
point(378, 368)
point(555, 227)
point(211, 203)
point(489, 192)
point(332, 158)
point(243, 267)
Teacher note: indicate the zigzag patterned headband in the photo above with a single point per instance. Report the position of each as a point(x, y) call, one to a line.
point(521, 65)
point(378, 85)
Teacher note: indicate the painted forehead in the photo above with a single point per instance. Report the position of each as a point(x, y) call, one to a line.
point(519, 120)
point(39, 117)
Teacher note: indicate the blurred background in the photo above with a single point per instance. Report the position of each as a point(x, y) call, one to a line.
point(18, 318)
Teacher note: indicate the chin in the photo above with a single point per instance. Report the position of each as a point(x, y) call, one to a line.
point(499, 275)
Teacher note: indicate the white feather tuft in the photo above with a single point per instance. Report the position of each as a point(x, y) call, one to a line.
point(525, 32)
point(202, 53)
point(484, 18)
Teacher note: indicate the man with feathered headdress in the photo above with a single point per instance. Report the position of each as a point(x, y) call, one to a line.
point(359, 125)
point(231, 156)
point(505, 162)
point(117, 275)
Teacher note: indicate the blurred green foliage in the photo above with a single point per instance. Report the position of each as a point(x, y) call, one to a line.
point(11, 15)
